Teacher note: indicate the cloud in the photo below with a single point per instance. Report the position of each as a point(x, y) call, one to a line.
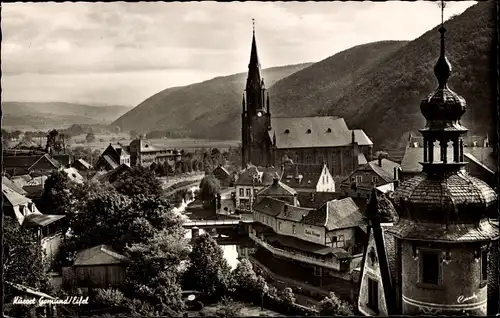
point(81, 40)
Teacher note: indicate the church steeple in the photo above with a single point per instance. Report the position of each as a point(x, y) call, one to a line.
point(255, 85)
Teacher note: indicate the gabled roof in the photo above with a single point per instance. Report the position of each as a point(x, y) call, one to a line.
point(259, 176)
point(99, 255)
point(38, 219)
point(336, 214)
point(8, 183)
point(269, 206)
point(302, 175)
point(307, 132)
point(120, 150)
point(277, 189)
point(294, 213)
point(84, 163)
point(112, 174)
point(110, 161)
point(221, 169)
point(309, 247)
point(385, 171)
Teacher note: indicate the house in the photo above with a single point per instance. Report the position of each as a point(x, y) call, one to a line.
point(111, 176)
point(81, 165)
point(47, 228)
point(224, 176)
point(375, 173)
point(98, 267)
point(112, 157)
point(481, 160)
point(308, 178)
point(34, 186)
point(280, 191)
point(21, 165)
point(143, 153)
point(318, 247)
point(250, 181)
point(64, 159)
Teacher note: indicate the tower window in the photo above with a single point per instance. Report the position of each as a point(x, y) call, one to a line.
point(484, 265)
point(287, 131)
point(430, 267)
point(329, 130)
point(308, 131)
point(373, 294)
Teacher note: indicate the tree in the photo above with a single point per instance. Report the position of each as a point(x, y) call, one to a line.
point(209, 188)
point(90, 138)
point(244, 276)
point(333, 306)
point(28, 136)
point(23, 264)
point(57, 195)
point(152, 275)
point(228, 308)
point(138, 180)
point(208, 270)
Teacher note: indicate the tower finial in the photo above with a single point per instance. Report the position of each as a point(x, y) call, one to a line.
point(442, 69)
point(253, 25)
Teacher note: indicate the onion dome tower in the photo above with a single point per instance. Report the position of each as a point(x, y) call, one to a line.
point(444, 236)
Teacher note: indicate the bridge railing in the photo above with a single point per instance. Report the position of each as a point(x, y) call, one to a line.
point(212, 222)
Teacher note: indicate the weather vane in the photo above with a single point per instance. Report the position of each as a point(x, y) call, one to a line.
point(442, 5)
point(253, 25)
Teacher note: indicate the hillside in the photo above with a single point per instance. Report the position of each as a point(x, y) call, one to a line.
point(376, 87)
point(198, 110)
point(30, 115)
point(384, 97)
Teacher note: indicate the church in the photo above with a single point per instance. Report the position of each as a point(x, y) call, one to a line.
point(439, 253)
point(275, 141)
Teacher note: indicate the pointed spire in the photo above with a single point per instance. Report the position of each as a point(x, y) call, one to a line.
point(442, 69)
point(254, 58)
point(372, 206)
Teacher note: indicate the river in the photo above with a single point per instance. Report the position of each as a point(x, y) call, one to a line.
point(230, 251)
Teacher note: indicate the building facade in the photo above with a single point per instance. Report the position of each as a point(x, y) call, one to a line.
point(268, 140)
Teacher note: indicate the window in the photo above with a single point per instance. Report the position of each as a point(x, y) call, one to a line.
point(293, 229)
point(279, 226)
point(353, 179)
point(430, 269)
point(359, 179)
point(373, 294)
point(248, 192)
point(340, 241)
point(308, 159)
point(484, 265)
point(375, 179)
point(242, 192)
point(267, 220)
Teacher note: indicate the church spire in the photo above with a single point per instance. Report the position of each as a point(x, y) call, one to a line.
point(255, 85)
point(442, 69)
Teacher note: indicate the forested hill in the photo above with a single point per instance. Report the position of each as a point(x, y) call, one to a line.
point(383, 95)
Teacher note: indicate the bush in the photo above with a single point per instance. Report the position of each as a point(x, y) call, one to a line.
point(109, 297)
point(333, 306)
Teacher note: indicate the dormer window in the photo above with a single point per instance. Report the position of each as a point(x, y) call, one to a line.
point(415, 145)
point(329, 130)
point(287, 131)
point(308, 131)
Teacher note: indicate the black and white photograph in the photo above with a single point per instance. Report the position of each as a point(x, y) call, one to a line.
point(252, 158)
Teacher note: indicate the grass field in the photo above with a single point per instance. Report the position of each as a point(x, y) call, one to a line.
point(103, 140)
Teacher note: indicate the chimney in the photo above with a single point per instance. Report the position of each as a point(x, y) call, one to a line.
point(395, 173)
point(380, 161)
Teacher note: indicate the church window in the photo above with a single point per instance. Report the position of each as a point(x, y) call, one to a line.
point(373, 294)
point(484, 265)
point(430, 269)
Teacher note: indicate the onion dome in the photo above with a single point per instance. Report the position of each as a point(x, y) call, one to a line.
point(447, 207)
point(444, 108)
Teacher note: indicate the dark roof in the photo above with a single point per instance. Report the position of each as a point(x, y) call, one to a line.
point(309, 247)
point(99, 255)
point(120, 150)
point(309, 132)
point(110, 176)
point(450, 197)
point(486, 231)
point(302, 175)
point(259, 176)
point(336, 214)
point(277, 189)
point(110, 161)
point(413, 156)
point(84, 163)
point(20, 161)
point(38, 219)
point(294, 213)
point(269, 206)
point(316, 199)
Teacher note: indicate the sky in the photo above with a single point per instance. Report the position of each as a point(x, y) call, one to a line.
point(122, 53)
